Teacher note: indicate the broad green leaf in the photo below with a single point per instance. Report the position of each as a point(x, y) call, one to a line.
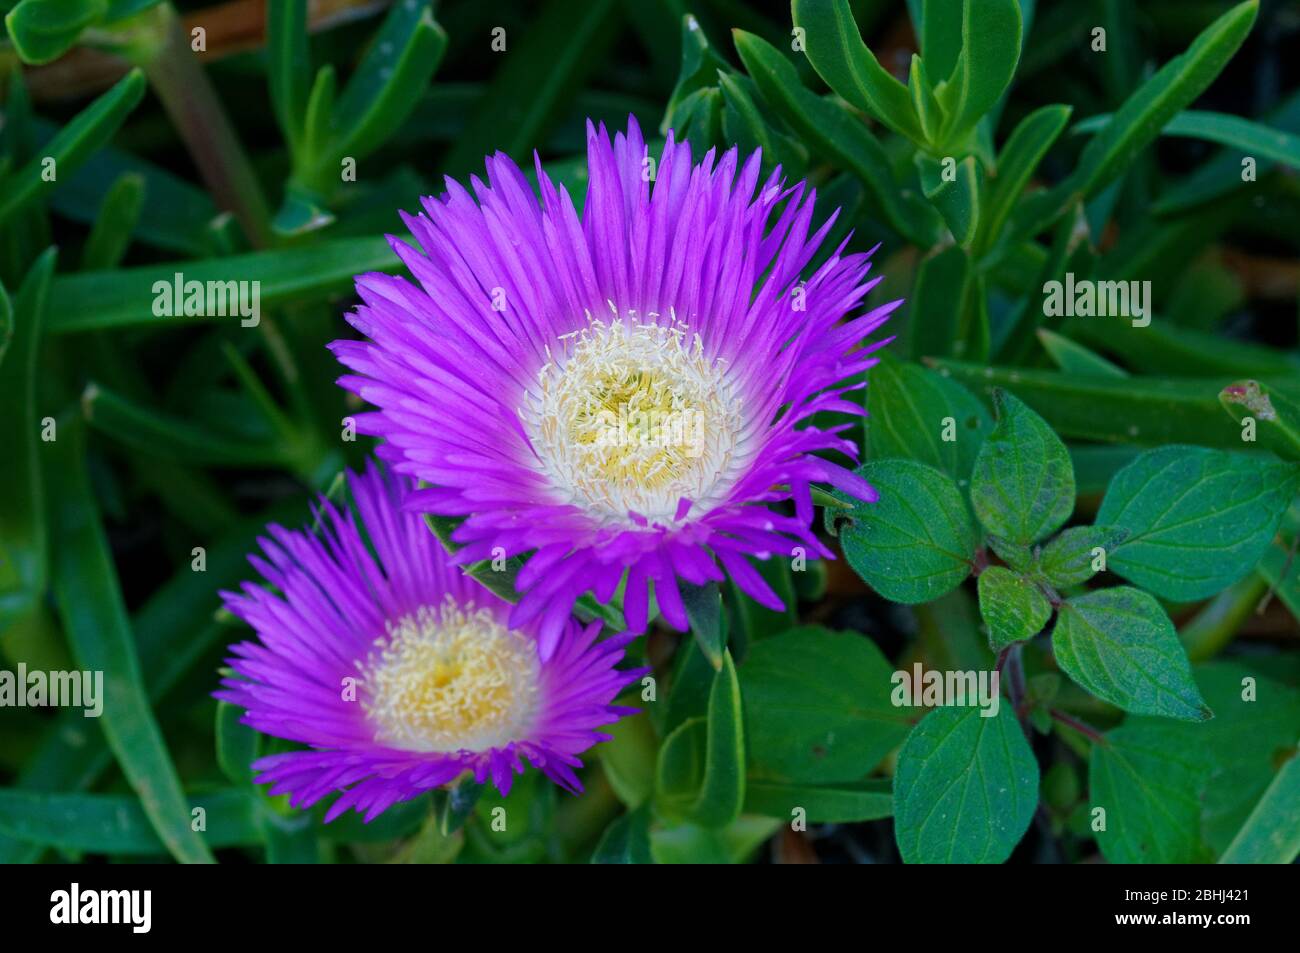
point(1134, 410)
point(833, 132)
point(1022, 486)
point(1198, 519)
point(912, 412)
point(1149, 790)
point(917, 540)
point(1073, 556)
point(23, 536)
point(92, 301)
point(701, 773)
point(955, 194)
point(1019, 157)
point(820, 804)
point(990, 51)
point(817, 706)
point(837, 53)
point(95, 621)
point(1178, 792)
point(626, 840)
point(941, 288)
point(1271, 835)
point(43, 30)
point(1013, 606)
point(1074, 358)
point(6, 322)
point(73, 144)
point(965, 788)
point(117, 823)
point(1119, 645)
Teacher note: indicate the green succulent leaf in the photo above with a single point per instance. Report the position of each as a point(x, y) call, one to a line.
point(837, 53)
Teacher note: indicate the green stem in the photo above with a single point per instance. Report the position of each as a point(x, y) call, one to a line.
point(1206, 633)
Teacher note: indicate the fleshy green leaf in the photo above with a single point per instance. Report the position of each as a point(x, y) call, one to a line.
point(1139, 121)
point(1074, 358)
point(95, 622)
point(837, 53)
point(821, 804)
point(73, 144)
point(117, 823)
point(1143, 410)
point(23, 537)
point(1250, 138)
point(1119, 645)
point(626, 840)
point(1022, 486)
point(965, 788)
point(1198, 519)
point(957, 197)
point(1271, 835)
point(942, 285)
point(817, 706)
point(831, 130)
point(1017, 161)
point(43, 30)
point(701, 773)
point(990, 51)
point(916, 542)
point(1069, 559)
point(1012, 605)
point(704, 609)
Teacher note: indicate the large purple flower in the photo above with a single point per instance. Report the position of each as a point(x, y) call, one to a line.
point(624, 396)
point(402, 672)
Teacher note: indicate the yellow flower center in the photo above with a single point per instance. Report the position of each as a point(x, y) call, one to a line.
point(450, 679)
point(632, 416)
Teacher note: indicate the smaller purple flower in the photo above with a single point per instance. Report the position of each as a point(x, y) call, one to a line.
point(400, 671)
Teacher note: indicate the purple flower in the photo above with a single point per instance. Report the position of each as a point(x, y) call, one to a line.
point(624, 396)
point(399, 670)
